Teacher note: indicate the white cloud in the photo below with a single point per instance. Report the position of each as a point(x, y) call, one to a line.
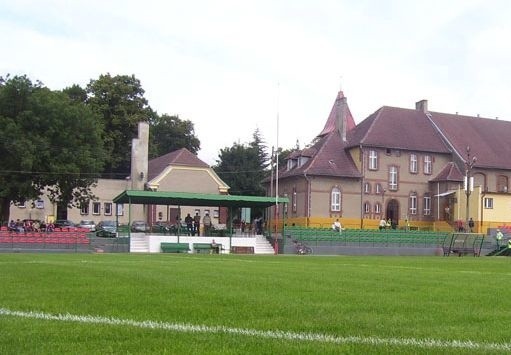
point(218, 64)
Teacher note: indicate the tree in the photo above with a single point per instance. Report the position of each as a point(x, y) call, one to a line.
point(120, 102)
point(169, 133)
point(49, 143)
point(243, 167)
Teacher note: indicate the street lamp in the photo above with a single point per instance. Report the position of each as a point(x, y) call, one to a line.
point(469, 182)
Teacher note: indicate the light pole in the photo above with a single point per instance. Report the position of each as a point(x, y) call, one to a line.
point(383, 202)
point(469, 182)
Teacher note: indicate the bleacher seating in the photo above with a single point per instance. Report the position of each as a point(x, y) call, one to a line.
point(368, 237)
point(55, 239)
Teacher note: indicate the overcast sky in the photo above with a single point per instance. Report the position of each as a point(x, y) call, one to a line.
point(231, 67)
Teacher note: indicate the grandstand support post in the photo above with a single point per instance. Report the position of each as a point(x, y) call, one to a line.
point(469, 183)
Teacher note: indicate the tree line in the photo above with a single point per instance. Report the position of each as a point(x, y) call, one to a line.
point(60, 142)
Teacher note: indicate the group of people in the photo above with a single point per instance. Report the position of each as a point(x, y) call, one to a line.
point(28, 225)
point(193, 224)
point(387, 224)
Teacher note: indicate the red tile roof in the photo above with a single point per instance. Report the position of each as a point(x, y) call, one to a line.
point(181, 157)
point(398, 128)
point(330, 159)
point(330, 123)
point(450, 172)
point(489, 139)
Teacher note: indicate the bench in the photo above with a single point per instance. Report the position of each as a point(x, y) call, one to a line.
point(242, 250)
point(207, 248)
point(175, 247)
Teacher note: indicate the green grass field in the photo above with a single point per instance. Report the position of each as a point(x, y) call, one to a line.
point(227, 304)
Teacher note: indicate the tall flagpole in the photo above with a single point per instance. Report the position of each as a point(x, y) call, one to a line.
point(277, 175)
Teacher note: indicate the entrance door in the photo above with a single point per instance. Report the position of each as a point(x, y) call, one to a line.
point(393, 211)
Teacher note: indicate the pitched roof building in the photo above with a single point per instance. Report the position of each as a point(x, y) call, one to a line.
point(398, 163)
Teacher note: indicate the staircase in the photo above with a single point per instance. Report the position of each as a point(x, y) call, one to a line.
point(139, 244)
point(262, 246)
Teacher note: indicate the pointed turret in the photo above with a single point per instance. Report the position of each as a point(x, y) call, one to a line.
point(340, 118)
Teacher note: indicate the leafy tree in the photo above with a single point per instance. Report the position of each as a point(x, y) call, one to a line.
point(120, 102)
point(169, 133)
point(243, 167)
point(76, 93)
point(49, 142)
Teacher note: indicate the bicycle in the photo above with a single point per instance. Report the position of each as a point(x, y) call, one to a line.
point(302, 249)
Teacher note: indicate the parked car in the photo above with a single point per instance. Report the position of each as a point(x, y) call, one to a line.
point(64, 223)
point(139, 226)
point(106, 229)
point(87, 224)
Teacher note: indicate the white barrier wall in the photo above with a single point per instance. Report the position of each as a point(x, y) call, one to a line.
point(154, 241)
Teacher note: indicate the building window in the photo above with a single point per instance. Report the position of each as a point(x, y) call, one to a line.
point(377, 189)
point(84, 209)
point(413, 203)
point(427, 205)
point(428, 165)
point(367, 207)
point(39, 204)
point(335, 204)
point(108, 208)
point(373, 160)
point(216, 213)
point(488, 202)
point(377, 208)
point(502, 183)
point(393, 178)
point(413, 163)
point(22, 204)
point(367, 188)
point(302, 161)
point(291, 163)
point(96, 208)
point(120, 209)
point(293, 200)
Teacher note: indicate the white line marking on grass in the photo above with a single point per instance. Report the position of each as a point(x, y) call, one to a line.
point(270, 334)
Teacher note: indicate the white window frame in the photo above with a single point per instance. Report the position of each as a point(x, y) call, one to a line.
point(367, 207)
point(293, 200)
point(107, 208)
point(373, 160)
point(96, 208)
point(427, 205)
point(488, 202)
point(413, 164)
point(413, 204)
point(428, 165)
point(367, 188)
point(377, 208)
point(335, 199)
point(84, 210)
point(120, 209)
point(393, 178)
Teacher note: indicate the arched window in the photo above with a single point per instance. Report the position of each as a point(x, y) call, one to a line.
point(502, 182)
point(377, 208)
point(367, 207)
point(335, 200)
point(367, 188)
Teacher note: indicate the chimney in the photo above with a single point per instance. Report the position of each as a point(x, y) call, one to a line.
point(139, 157)
point(341, 112)
point(422, 105)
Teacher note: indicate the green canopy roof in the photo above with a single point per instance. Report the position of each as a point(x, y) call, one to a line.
point(138, 197)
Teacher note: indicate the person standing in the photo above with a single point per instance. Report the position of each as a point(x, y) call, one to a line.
point(471, 225)
point(189, 224)
point(499, 237)
point(207, 224)
point(196, 223)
